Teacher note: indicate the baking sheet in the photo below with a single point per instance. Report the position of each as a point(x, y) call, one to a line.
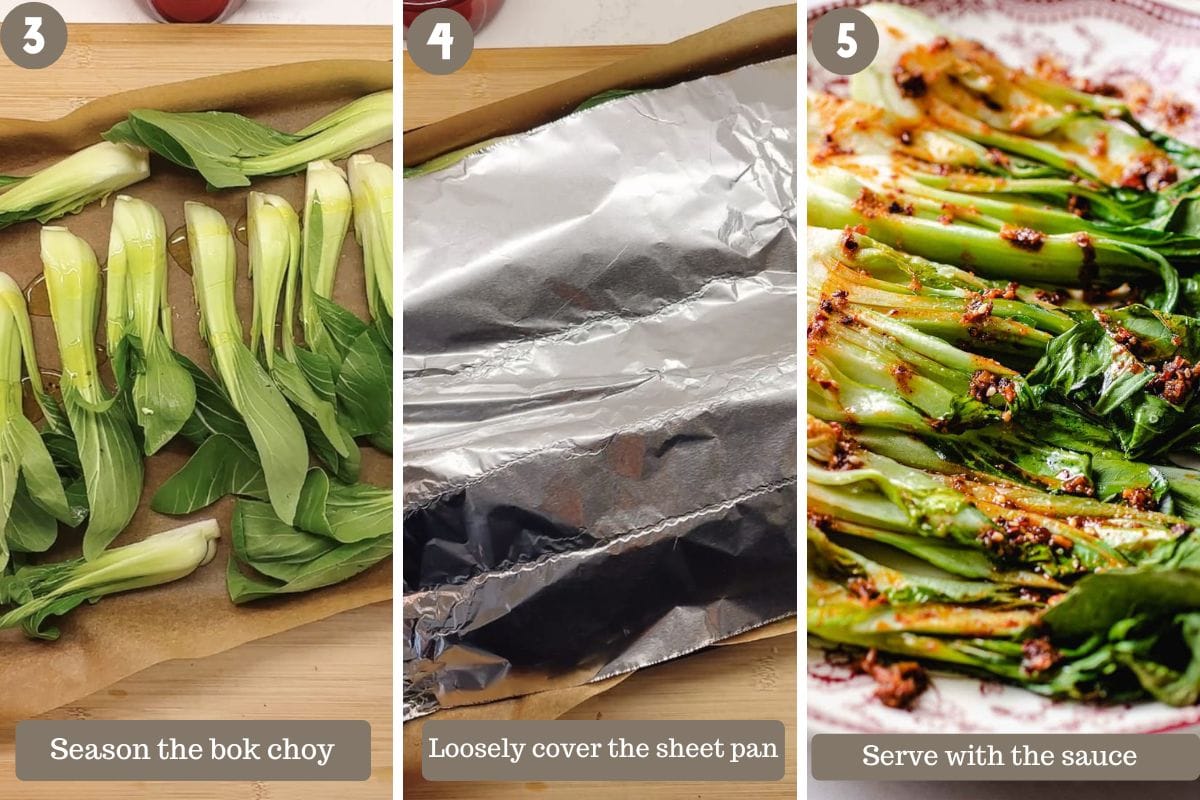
point(599, 365)
point(193, 617)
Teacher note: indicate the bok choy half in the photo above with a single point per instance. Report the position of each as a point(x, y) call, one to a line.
point(67, 186)
point(276, 434)
point(229, 149)
point(108, 454)
point(138, 324)
point(28, 479)
point(274, 243)
point(40, 592)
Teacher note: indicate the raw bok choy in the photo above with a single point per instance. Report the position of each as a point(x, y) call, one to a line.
point(39, 592)
point(371, 190)
point(270, 558)
point(109, 456)
point(138, 324)
point(274, 243)
point(229, 149)
point(68, 185)
point(271, 425)
point(32, 500)
point(342, 351)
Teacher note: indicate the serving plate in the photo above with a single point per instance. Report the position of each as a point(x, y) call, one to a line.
point(1140, 45)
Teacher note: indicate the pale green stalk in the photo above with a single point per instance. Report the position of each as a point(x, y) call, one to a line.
point(79, 179)
point(163, 393)
point(273, 232)
point(278, 437)
point(57, 588)
point(360, 125)
point(327, 206)
point(371, 190)
point(108, 453)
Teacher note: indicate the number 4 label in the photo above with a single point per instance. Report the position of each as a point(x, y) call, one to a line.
point(34, 41)
point(440, 37)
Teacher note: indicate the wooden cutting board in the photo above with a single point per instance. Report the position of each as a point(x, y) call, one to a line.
point(339, 668)
point(745, 681)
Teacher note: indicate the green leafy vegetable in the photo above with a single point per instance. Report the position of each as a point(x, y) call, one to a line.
point(274, 243)
point(371, 190)
point(138, 327)
point(52, 590)
point(276, 433)
point(69, 185)
point(109, 455)
point(271, 558)
point(229, 149)
point(31, 494)
point(327, 206)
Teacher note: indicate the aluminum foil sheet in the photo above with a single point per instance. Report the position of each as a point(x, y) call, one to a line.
point(600, 391)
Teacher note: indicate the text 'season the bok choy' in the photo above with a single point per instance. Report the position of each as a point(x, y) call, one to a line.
point(1002, 340)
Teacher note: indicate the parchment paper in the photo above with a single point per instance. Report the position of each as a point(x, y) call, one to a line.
point(194, 617)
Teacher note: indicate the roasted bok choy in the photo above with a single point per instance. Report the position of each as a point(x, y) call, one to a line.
point(229, 149)
point(108, 454)
point(1001, 362)
point(40, 592)
point(67, 186)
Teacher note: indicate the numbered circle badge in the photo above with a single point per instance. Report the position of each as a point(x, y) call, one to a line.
point(844, 41)
point(440, 41)
point(33, 35)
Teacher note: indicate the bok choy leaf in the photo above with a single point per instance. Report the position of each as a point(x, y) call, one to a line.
point(161, 391)
point(229, 149)
point(31, 494)
point(52, 590)
point(109, 455)
point(276, 433)
point(79, 179)
point(274, 242)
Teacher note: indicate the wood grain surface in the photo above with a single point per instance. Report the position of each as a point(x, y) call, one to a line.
point(340, 668)
point(492, 75)
point(747, 681)
point(105, 59)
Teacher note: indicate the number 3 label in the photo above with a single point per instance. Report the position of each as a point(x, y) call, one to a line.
point(441, 37)
point(34, 41)
point(846, 45)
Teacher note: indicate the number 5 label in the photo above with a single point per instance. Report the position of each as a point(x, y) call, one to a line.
point(844, 41)
point(846, 46)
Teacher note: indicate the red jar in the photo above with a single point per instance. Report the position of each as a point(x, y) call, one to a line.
point(192, 10)
point(476, 12)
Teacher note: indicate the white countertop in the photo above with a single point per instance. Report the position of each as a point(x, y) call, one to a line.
point(519, 23)
point(543, 23)
point(293, 12)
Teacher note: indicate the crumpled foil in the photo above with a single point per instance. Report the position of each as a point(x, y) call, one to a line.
point(600, 391)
